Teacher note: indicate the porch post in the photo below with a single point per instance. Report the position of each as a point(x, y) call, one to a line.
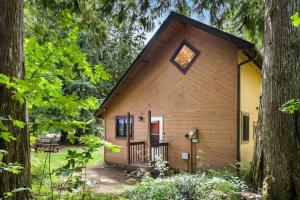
point(128, 137)
point(149, 136)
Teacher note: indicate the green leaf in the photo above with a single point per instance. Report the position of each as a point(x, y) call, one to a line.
point(71, 137)
point(90, 140)
point(8, 194)
point(113, 148)
point(296, 19)
point(7, 136)
point(291, 106)
point(18, 123)
point(3, 127)
point(14, 168)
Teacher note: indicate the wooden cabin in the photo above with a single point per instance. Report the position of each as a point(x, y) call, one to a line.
point(190, 97)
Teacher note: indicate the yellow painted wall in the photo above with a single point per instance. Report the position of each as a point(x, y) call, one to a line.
point(250, 93)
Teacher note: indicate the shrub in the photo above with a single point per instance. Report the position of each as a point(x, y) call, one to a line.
point(160, 168)
point(184, 186)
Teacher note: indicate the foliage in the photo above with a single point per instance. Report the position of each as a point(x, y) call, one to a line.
point(81, 46)
point(245, 172)
point(296, 19)
point(14, 168)
point(198, 186)
point(291, 106)
point(70, 177)
point(160, 167)
point(243, 18)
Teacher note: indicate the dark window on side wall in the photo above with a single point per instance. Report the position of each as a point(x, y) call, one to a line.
point(245, 127)
point(121, 126)
point(184, 56)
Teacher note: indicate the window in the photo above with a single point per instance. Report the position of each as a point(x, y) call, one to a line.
point(121, 126)
point(245, 127)
point(185, 56)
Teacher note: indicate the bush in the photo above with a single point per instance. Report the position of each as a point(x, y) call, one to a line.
point(184, 186)
point(160, 168)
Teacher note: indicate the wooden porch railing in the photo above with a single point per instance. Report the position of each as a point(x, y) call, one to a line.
point(159, 150)
point(137, 152)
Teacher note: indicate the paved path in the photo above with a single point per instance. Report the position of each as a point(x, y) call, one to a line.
point(109, 178)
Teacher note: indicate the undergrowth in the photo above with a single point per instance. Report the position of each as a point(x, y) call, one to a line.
point(212, 185)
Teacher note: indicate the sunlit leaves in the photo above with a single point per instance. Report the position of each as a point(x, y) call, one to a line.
point(99, 74)
point(47, 124)
point(90, 140)
point(113, 148)
point(14, 168)
point(296, 19)
point(18, 123)
point(10, 194)
point(7, 136)
point(71, 137)
point(3, 127)
point(5, 80)
point(291, 106)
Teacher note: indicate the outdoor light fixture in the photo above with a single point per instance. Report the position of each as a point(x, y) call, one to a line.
point(140, 118)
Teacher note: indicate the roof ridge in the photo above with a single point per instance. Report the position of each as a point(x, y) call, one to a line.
point(239, 42)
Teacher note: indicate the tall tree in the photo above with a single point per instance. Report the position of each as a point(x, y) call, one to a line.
point(12, 65)
point(276, 162)
point(107, 39)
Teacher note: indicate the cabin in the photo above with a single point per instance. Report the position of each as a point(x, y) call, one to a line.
point(190, 97)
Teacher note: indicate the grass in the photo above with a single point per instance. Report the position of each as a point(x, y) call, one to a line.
point(40, 180)
point(58, 159)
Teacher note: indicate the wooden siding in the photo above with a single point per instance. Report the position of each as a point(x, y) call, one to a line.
point(250, 93)
point(203, 98)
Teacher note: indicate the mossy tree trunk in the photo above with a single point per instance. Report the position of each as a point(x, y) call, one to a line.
point(12, 64)
point(276, 161)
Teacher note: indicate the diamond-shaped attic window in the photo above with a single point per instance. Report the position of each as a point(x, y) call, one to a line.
point(185, 56)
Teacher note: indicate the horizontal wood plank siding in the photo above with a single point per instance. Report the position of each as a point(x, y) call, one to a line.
point(203, 98)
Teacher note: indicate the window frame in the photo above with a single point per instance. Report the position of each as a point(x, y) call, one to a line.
point(242, 127)
point(184, 70)
point(116, 126)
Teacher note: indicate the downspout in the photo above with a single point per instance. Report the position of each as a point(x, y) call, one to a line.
point(238, 153)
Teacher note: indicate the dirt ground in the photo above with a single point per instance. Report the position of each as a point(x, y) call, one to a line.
point(108, 178)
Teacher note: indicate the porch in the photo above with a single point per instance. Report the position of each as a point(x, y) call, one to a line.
point(137, 153)
point(150, 151)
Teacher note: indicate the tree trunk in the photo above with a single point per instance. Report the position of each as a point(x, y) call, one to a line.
point(63, 137)
point(12, 64)
point(276, 161)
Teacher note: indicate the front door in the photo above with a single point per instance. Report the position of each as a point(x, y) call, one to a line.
point(156, 130)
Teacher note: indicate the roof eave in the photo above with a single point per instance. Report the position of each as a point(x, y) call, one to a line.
point(243, 44)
